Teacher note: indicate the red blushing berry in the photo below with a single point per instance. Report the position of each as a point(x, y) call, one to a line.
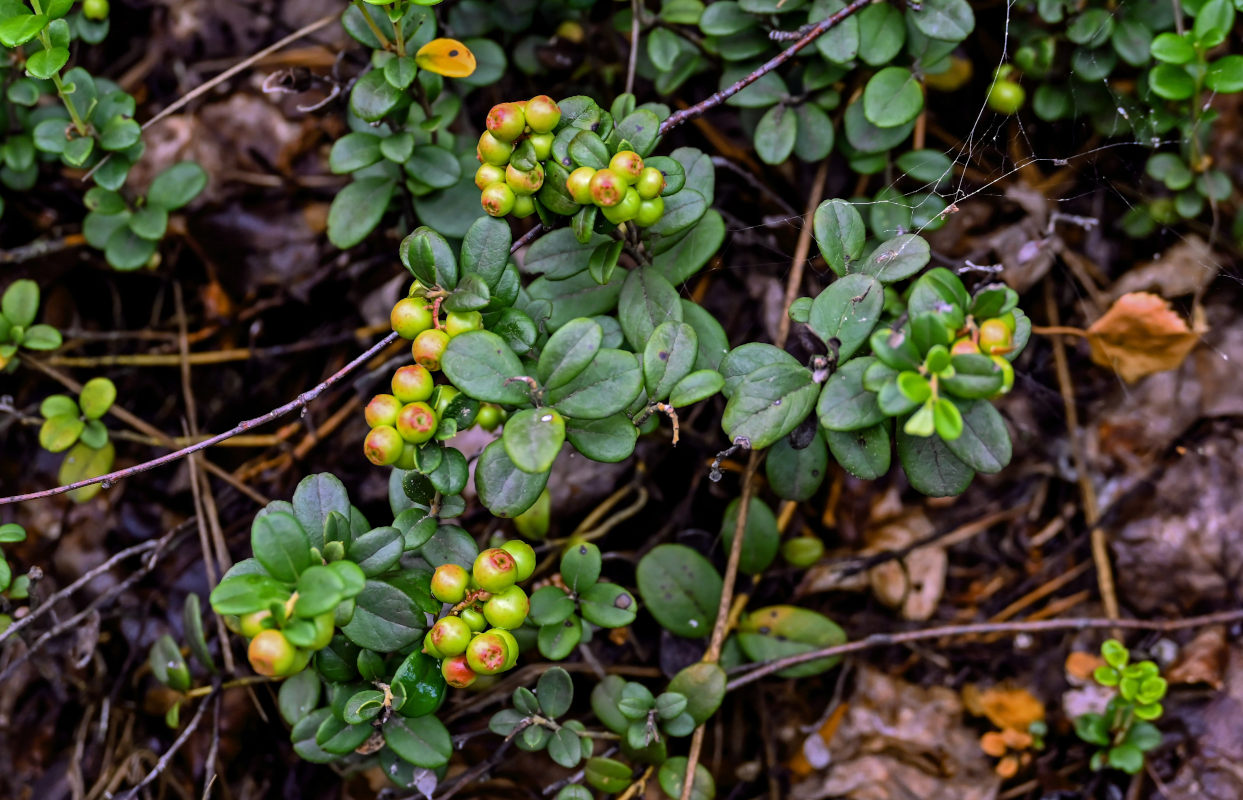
point(457, 672)
point(416, 423)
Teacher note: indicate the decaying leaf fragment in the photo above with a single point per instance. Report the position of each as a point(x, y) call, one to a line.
point(1139, 335)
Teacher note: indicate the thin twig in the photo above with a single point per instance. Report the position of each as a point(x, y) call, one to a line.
point(167, 758)
point(1091, 509)
point(299, 402)
point(974, 629)
point(715, 99)
point(90, 575)
point(801, 249)
point(198, 91)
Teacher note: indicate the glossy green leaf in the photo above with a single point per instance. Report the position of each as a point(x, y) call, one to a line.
point(504, 489)
point(384, 619)
point(357, 210)
point(931, 467)
point(839, 233)
point(480, 364)
point(680, 588)
point(609, 439)
point(847, 311)
point(769, 403)
point(796, 474)
point(607, 386)
point(761, 536)
point(864, 453)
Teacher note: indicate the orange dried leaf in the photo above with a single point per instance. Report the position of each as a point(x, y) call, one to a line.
point(447, 57)
point(1139, 335)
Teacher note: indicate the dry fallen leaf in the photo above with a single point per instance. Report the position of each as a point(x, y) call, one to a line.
point(1139, 335)
point(899, 741)
point(1185, 268)
point(1203, 660)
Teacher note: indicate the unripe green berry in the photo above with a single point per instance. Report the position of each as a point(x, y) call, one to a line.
point(451, 635)
point(607, 188)
point(1006, 96)
point(498, 199)
point(383, 445)
point(578, 184)
point(650, 184)
point(511, 646)
point(449, 583)
point(626, 210)
point(410, 317)
point(256, 622)
point(416, 423)
point(506, 121)
point(533, 523)
point(430, 647)
point(524, 557)
point(507, 609)
point(495, 570)
point(474, 619)
point(488, 174)
point(1007, 373)
point(412, 383)
point(542, 113)
point(457, 672)
point(462, 321)
point(444, 398)
point(408, 458)
point(96, 10)
point(627, 164)
point(428, 347)
point(382, 410)
point(271, 654)
point(489, 417)
point(650, 211)
point(542, 142)
point(486, 654)
point(524, 206)
point(325, 626)
point(492, 150)
point(802, 551)
point(524, 182)
point(1008, 319)
point(995, 338)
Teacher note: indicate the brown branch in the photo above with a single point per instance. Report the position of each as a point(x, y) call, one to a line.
point(715, 99)
point(974, 629)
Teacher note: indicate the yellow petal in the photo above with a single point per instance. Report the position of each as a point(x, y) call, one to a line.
point(447, 57)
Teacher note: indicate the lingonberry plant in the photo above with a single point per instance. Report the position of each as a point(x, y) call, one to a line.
point(19, 306)
point(76, 427)
point(1125, 731)
point(91, 127)
point(11, 587)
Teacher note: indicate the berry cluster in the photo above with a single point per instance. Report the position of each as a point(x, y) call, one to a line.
point(411, 415)
point(625, 190)
point(994, 338)
point(519, 137)
point(280, 647)
point(519, 140)
point(474, 638)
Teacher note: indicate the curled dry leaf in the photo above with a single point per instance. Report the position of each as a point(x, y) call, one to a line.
point(1139, 335)
point(1203, 660)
